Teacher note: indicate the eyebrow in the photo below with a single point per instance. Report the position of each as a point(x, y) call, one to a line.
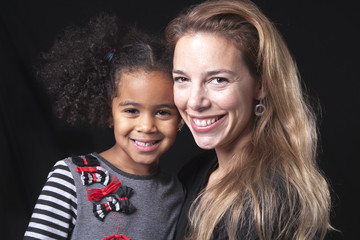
point(166, 106)
point(126, 103)
point(209, 73)
point(178, 72)
point(134, 104)
point(216, 72)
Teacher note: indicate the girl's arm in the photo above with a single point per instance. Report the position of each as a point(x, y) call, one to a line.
point(55, 212)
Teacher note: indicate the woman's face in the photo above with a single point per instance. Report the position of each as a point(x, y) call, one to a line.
point(214, 91)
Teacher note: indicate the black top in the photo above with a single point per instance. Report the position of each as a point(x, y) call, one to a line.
point(194, 176)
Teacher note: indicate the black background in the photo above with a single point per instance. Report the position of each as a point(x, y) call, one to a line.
point(322, 36)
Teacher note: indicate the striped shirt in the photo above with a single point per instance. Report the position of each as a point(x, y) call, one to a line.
point(55, 212)
point(63, 210)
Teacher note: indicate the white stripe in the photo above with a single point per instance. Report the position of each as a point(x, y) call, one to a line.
point(58, 191)
point(38, 236)
point(59, 202)
point(62, 182)
point(61, 163)
point(73, 221)
point(53, 210)
point(50, 219)
point(48, 229)
point(65, 172)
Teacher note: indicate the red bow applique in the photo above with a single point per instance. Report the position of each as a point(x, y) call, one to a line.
point(117, 237)
point(98, 194)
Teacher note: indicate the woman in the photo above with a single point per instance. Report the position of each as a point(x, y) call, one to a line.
point(238, 90)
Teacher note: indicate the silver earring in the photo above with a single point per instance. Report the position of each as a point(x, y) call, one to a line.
point(260, 109)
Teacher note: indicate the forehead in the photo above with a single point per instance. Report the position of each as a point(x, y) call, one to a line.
point(206, 49)
point(144, 86)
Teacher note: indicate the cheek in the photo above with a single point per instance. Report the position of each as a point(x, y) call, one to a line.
point(169, 129)
point(239, 103)
point(122, 126)
point(226, 100)
point(180, 99)
point(118, 130)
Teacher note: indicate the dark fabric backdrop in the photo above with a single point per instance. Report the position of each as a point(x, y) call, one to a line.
point(320, 34)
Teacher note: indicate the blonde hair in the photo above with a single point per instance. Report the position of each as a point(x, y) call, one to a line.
point(274, 187)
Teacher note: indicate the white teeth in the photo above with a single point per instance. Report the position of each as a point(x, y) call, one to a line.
point(145, 144)
point(204, 123)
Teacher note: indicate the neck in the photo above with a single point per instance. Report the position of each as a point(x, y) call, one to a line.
point(228, 151)
point(118, 160)
point(225, 156)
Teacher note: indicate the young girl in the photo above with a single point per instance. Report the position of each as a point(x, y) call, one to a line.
point(119, 193)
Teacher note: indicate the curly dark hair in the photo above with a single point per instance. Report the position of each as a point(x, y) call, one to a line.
point(82, 81)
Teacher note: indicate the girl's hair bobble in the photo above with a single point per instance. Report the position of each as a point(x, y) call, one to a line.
point(109, 54)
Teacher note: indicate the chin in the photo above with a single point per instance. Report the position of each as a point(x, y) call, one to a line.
point(207, 145)
point(147, 162)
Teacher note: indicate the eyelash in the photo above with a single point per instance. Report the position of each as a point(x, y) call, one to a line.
point(180, 79)
point(219, 80)
point(131, 111)
point(135, 111)
point(163, 112)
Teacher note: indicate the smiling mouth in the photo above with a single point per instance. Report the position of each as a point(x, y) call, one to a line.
point(206, 122)
point(146, 144)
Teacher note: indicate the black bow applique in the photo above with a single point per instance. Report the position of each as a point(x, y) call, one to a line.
point(88, 160)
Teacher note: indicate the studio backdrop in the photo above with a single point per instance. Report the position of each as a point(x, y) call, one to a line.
point(321, 35)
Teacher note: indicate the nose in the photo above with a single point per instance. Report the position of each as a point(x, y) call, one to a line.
point(146, 123)
point(198, 99)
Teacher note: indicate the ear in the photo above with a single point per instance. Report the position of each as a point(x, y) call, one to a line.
point(180, 125)
point(111, 122)
point(111, 117)
point(260, 91)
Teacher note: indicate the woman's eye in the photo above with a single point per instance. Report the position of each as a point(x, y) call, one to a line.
point(180, 79)
point(219, 80)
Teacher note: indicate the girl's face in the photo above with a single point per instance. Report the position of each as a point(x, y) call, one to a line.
point(214, 91)
point(145, 120)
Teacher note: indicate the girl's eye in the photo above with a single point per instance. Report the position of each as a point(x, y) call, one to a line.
point(163, 112)
point(180, 79)
point(131, 111)
point(219, 80)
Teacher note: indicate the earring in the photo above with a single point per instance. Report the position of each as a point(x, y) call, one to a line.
point(259, 109)
point(180, 125)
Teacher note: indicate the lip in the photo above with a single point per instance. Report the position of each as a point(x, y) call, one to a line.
point(208, 128)
point(145, 145)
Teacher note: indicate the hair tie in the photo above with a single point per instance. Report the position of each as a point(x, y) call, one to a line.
point(109, 54)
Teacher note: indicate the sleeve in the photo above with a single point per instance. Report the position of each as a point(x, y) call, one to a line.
point(55, 212)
